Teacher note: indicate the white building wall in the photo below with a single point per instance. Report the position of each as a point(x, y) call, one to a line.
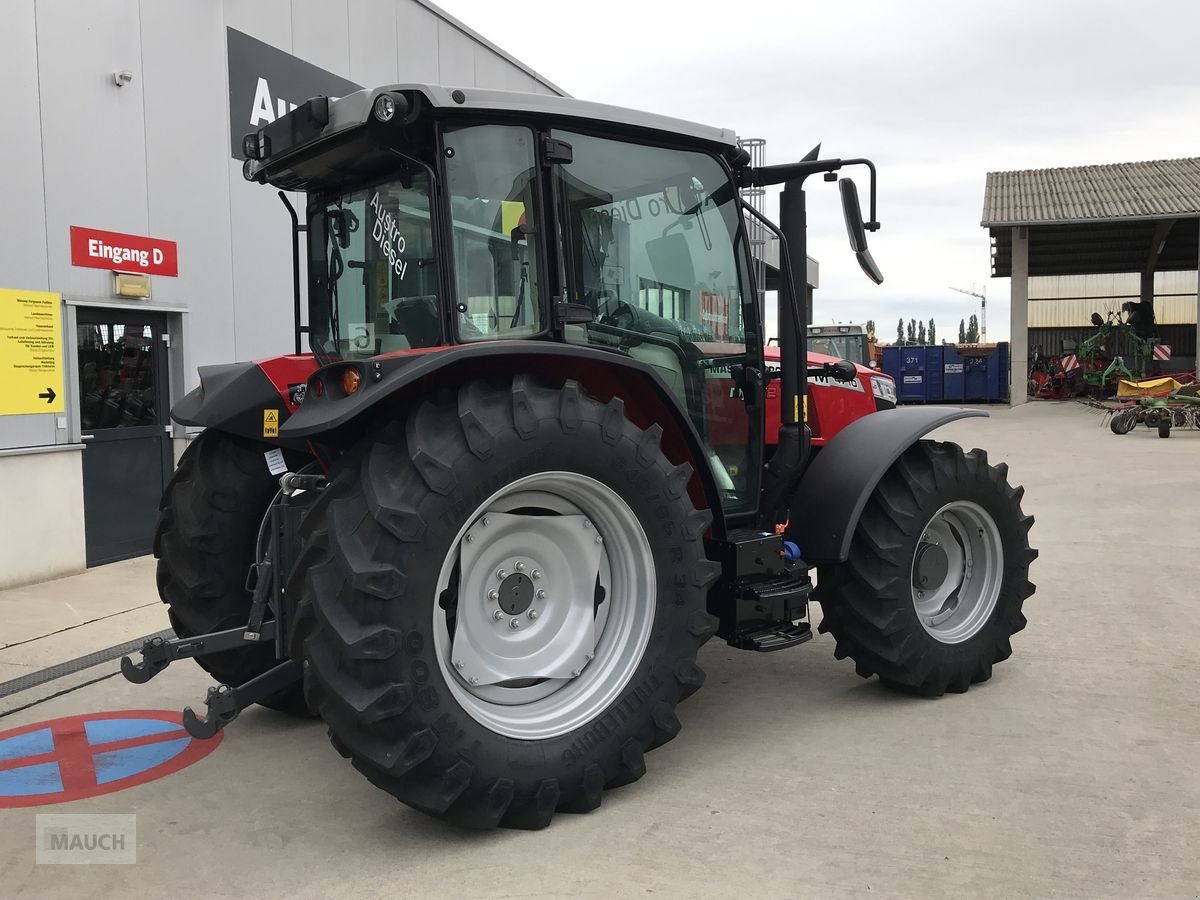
point(153, 158)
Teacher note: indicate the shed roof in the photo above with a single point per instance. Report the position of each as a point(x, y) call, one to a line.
point(1162, 188)
point(1122, 217)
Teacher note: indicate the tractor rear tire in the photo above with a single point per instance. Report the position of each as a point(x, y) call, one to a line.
point(377, 615)
point(205, 543)
point(934, 498)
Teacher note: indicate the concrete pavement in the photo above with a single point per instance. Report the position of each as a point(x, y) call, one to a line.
point(1074, 772)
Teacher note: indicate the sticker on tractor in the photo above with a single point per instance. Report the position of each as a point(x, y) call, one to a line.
point(826, 381)
point(276, 464)
point(270, 423)
point(912, 379)
point(96, 753)
point(1161, 352)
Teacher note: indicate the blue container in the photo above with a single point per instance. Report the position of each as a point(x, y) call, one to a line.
point(985, 373)
point(933, 374)
point(953, 387)
point(917, 372)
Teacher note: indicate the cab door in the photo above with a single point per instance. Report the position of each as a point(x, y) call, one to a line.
point(654, 244)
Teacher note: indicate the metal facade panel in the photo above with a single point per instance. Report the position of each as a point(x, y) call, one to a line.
point(491, 69)
point(1182, 339)
point(374, 51)
point(22, 236)
point(81, 105)
point(1077, 312)
point(516, 79)
point(416, 42)
point(456, 57)
point(183, 58)
point(267, 20)
point(321, 34)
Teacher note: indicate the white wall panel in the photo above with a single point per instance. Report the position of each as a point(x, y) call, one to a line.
point(267, 20)
point(46, 540)
point(373, 50)
point(491, 69)
point(183, 57)
point(416, 43)
point(321, 34)
point(23, 227)
point(93, 136)
point(456, 57)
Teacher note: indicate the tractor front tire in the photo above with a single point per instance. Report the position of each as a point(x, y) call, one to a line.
point(937, 574)
point(440, 553)
point(205, 543)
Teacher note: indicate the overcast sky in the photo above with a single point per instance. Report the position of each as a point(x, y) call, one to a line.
point(936, 93)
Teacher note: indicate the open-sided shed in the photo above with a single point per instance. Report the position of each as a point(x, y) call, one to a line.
point(1126, 217)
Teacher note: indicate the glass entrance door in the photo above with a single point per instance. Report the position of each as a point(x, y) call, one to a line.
point(122, 370)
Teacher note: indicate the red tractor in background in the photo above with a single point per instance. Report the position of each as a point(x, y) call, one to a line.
point(536, 458)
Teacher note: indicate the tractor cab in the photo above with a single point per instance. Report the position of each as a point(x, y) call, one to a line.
point(434, 222)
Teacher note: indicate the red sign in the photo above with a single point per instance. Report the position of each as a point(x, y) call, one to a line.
point(97, 753)
point(97, 249)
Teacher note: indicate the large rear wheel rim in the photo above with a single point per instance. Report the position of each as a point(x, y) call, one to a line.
point(581, 629)
point(957, 572)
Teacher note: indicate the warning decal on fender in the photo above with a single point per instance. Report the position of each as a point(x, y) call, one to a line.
point(270, 423)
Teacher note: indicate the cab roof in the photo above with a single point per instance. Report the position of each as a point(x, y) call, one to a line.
point(299, 130)
point(358, 107)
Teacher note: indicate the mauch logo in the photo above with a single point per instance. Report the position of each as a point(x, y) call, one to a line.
point(81, 839)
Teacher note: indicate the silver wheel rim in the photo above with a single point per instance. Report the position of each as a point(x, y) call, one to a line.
point(574, 647)
point(961, 538)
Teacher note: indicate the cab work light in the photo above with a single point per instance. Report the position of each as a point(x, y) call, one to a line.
point(388, 106)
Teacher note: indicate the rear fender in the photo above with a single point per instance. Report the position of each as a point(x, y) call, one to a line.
point(827, 504)
point(331, 418)
point(248, 399)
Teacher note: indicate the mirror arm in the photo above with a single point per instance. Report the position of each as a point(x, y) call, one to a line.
point(767, 175)
point(872, 224)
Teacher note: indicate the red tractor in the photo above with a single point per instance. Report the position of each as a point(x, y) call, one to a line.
point(527, 469)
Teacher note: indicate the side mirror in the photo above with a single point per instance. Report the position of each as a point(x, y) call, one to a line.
point(844, 370)
point(856, 231)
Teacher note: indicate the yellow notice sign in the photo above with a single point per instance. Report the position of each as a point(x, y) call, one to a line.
point(512, 214)
point(31, 379)
point(271, 423)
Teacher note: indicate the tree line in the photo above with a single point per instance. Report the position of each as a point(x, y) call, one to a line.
point(915, 333)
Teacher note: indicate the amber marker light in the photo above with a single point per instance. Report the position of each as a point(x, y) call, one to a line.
point(351, 380)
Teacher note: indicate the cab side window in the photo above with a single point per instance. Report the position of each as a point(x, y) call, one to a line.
point(652, 245)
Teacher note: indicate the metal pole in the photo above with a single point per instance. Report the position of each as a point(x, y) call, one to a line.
point(792, 334)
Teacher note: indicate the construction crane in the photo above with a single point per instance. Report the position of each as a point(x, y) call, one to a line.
point(982, 295)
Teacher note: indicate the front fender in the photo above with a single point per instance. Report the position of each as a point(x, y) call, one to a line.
point(826, 506)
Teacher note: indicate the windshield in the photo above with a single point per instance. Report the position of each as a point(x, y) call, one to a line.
point(852, 347)
point(373, 277)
